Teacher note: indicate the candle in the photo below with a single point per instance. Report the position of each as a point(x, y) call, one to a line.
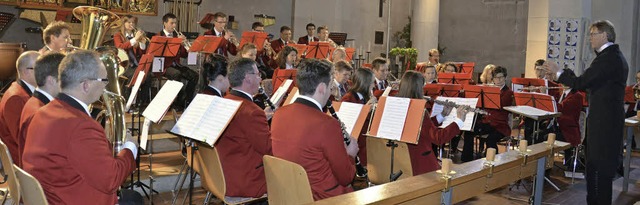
point(638, 114)
point(551, 138)
point(491, 154)
point(361, 51)
point(523, 146)
point(369, 47)
point(446, 166)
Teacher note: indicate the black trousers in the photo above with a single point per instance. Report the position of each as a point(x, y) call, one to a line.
point(480, 129)
point(599, 185)
point(130, 197)
point(189, 78)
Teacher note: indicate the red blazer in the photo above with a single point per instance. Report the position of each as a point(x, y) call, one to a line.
point(241, 147)
point(68, 152)
point(182, 53)
point(226, 46)
point(316, 144)
point(277, 46)
point(122, 43)
point(33, 104)
point(499, 118)
point(210, 91)
point(423, 159)
point(305, 40)
point(11, 106)
point(568, 122)
point(378, 92)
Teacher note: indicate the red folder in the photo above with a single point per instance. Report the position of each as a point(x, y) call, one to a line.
point(454, 78)
point(256, 38)
point(488, 96)
point(537, 100)
point(362, 118)
point(205, 44)
point(318, 50)
point(280, 75)
point(161, 46)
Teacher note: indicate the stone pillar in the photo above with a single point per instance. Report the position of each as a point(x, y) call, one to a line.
point(424, 26)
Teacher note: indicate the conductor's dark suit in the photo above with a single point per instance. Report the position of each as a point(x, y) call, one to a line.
point(605, 80)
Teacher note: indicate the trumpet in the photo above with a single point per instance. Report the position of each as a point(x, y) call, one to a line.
point(453, 104)
point(543, 87)
point(144, 37)
point(394, 82)
point(232, 38)
point(185, 42)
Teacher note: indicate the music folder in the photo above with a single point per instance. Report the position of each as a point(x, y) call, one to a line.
point(629, 95)
point(280, 75)
point(206, 44)
point(206, 118)
point(256, 38)
point(488, 96)
point(468, 120)
point(318, 50)
point(454, 78)
point(353, 115)
point(410, 124)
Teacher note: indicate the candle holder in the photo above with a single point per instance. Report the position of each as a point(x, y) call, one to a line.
point(368, 52)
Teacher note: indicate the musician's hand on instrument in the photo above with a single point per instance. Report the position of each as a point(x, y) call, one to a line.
point(182, 37)
point(228, 35)
point(446, 110)
point(269, 112)
point(129, 143)
point(462, 111)
point(352, 148)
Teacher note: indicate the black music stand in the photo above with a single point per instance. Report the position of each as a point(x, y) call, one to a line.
point(338, 38)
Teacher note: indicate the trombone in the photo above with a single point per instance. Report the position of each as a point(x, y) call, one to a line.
point(185, 42)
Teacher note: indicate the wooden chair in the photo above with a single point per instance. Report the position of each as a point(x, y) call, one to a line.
point(207, 164)
point(32, 192)
point(287, 182)
point(379, 160)
point(9, 174)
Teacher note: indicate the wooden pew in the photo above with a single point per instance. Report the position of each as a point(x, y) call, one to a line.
point(471, 179)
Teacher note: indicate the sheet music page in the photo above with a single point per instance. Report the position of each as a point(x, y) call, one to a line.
point(144, 135)
point(348, 114)
point(277, 96)
point(516, 87)
point(134, 90)
point(528, 110)
point(393, 118)
point(158, 64)
point(191, 116)
point(162, 101)
point(216, 119)
point(386, 91)
point(192, 58)
point(468, 120)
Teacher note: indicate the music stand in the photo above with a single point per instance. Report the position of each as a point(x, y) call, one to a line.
point(205, 44)
point(300, 48)
point(318, 50)
point(338, 38)
point(167, 47)
point(488, 96)
point(280, 75)
point(410, 132)
point(518, 83)
point(445, 90)
point(256, 38)
point(143, 65)
point(454, 78)
point(467, 67)
point(536, 100)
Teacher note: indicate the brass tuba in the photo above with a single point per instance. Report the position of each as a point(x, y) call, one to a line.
point(95, 24)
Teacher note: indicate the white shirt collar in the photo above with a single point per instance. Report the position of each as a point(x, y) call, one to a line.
point(216, 32)
point(288, 66)
point(167, 33)
point(84, 105)
point(31, 87)
point(336, 82)
point(45, 94)
point(47, 46)
point(246, 93)
point(216, 89)
point(360, 96)
point(312, 100)
point(604, 46)
point(567, 91)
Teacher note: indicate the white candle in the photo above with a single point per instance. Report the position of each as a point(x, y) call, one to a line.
point(361, 51)
point(369, 47)
point(523, 145)
point(551, 138)
point(491, 154)
point(446, 166)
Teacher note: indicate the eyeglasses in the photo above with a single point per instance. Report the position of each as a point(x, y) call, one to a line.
point(258, 74)
point(498, 77)
point(29, 68)
point(99, 79)
point(596, 33)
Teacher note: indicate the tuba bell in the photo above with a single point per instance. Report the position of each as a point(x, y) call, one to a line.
point(95, 24)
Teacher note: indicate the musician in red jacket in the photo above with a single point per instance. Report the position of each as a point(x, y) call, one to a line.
point(13, 102)
point(496, 124)
point(229, 45)
point(67, 150)
point(173, 70)
point(133, 42)
point(361, 93)
point(216, 74)
point(310, 37)
point(46, 75)
point(380, 67)
point(316, 143)
point(567, 126)
point(423, 159)
point(247, 137)
point(285, 39)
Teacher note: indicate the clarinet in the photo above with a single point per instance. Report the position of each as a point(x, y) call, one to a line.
point(360, 170)
point(266, 98)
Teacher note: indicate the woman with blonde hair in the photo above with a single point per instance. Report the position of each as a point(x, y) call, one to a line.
point(487, 74)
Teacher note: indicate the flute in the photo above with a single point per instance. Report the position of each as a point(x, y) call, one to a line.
point(453, 104)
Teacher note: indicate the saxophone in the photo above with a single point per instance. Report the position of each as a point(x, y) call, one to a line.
point(360, 170)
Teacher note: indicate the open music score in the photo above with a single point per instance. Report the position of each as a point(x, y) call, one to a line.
point(517, 84)
point(256, 38)
point(206, 44)
point(454, 78)
point(161, 102)
point(318, 50)
point(353, 115)
point(536, 100)
point(278, 95)
point(134, 92)
point(412, 121)
point(162, 47)
point(393, 117)
point(206, 118)
point(532, 112)
point(488, 96)
point(468, 120)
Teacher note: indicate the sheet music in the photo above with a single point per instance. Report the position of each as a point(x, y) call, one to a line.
point(144, 135)
point(348, 114)
point(386, 91)
point(528, 110)
point(393, 118)
point(134, 90)
point(206, 118)
point(162, 101)
point(630, 121)
point(158, 64)
point(468, 120)
point(277, 96)
point(516, 87)
point(192, 58)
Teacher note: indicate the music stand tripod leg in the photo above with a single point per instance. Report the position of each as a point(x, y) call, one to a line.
point(393, 176)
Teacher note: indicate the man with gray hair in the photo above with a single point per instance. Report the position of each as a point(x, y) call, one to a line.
point(13, 101)
point(604, 80)
point(247, 137)
point(67, 150)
